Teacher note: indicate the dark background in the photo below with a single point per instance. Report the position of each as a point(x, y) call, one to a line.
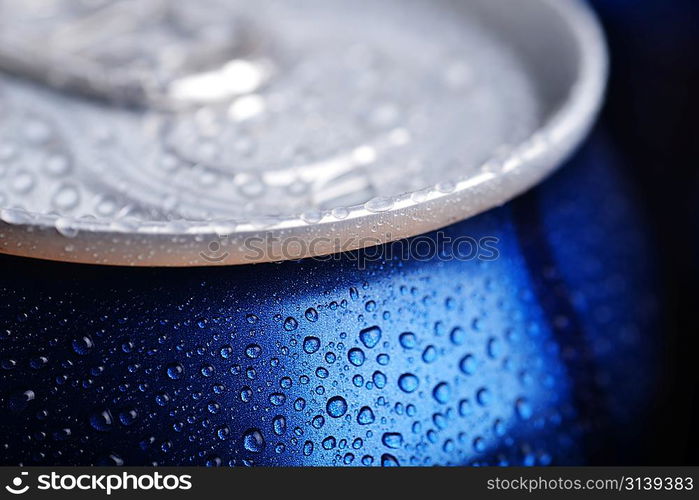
point(652, 113)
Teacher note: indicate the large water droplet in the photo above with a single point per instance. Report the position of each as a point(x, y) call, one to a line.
point(175, 371)
point(392, 439)
point(82, 345)
point(468, 364)
point(311, 344)
point(429, 355)
point(523, 408)
point(279, 425)
point(408, 382)
point(442, 393)
point(389, 461)
point(311, 315)
point(336, 406)
point(458, 336)
point(365, 416)
point(277, 399)
point(253, 440)
point(356, 356)
point(101, 420)
point(407, 340)
point(253, 351)
point(370, 336)
point(379, 379)
point(290, 324)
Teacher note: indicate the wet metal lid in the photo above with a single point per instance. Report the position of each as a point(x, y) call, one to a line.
point(156, 133)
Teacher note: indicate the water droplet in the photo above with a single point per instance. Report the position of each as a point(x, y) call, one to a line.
point(336, 406)
point(468, 364)
point(356, 356)
point(407, 340)
point(458, 336)
point(308, 448)
point(523, 409)
point(383, 359)
point(389, 461)
point(82, 345)
point(128, 417)
point(245, 394)
point(223, 432)
point(57, 165)
point(253, 440)
point(318, 421)
point(370, 336)
point(253, 351)
point(392, 440)
point(37, 131)
point(311, 315)
point(66, 197)
point(277, 399)
point(19, 401)
point(408, 382)
point(379, 379)
point(493, 348)
point(22, 182)
point(290, 324)
point(162, 399)
point(442, 392)
point(175, 371)
point(365, 416)
point(340, 213)
point(483, 396)
point(311, 344)
point(66, 227)
point(279, 425)
point(378, 205)
point(38, 362)
point(465, 408)
point(429, 355)
point(101, 420)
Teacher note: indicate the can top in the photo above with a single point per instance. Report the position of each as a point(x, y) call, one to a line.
point(168, 134)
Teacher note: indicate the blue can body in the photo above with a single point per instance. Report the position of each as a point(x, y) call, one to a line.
point(539, 350)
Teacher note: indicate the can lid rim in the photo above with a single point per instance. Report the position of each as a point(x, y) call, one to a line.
point(185, 243)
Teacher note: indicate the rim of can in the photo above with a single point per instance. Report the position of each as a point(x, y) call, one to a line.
point(197, 243)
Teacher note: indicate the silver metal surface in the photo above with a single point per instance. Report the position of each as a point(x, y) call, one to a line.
point(230, 132)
